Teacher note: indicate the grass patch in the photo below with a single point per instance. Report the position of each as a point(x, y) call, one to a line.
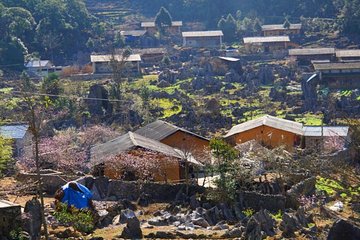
point(327, 185)
point(310, 119)
point(170, 107)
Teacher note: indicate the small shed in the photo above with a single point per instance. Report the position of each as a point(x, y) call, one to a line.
point(133, 36)
point(203, 39)
point(268, 43)
point(269, 131)
point(21, 136)
point(326, 138)
point(279, 29)
point(42, 67)
point(10, 214)
point(102, 63)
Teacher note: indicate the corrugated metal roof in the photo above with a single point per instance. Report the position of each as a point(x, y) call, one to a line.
point(135, 33)
point(203, 34)
point(132, 140)
point(337, 66)
point(348, 53)
point(326, 131)
point(118, 57)
point(270, 121)
point(152, 24)
point(311, 51)
point(280, 26)
point(38, 63)
point(14, 131)
point(230, 59)
point(159, 130)
point(266, 39)
point(7, 204)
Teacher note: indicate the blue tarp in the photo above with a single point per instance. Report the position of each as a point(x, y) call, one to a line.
point(75, 198)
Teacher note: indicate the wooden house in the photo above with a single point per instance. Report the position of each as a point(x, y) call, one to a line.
point(133, 143)
point(326, 138)
point(339, 74)
point(176, 137)
point(151, 56)
point(101, 64)
point(344, 55)
point(203, 39)
point(174, 29)
point(306, 55)
point(280, 30)
point(269, 131)
point(21, 137)
point(267, 44)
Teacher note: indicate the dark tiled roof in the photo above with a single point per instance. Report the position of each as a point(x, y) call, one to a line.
point(159, 130)
point(127, 142)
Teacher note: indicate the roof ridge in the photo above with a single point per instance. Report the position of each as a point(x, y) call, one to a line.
point(132, 138)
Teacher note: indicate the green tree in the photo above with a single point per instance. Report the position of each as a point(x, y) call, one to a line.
point(228, 26)
point(225, 156)
point(163, 19)
point(5, 153)
point(286, 23)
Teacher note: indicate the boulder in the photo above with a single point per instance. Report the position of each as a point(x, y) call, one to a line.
point(201, 222)
point(289, 225)
point(163, 84)
point(259, 225)
point(144, 200)
point(31, 219)
point(234, 233)
point(132, 229)
point(343, 229)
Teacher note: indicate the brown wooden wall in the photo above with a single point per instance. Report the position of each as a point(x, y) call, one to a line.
point(268, 136)
point(184, 141)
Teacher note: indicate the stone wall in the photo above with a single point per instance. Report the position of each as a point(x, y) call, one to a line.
point(305, 187)
point(9, 217)
point(258, 201)
point(106, 189)
point(51, 181)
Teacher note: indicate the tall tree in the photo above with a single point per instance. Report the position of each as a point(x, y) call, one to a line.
point(162, 19)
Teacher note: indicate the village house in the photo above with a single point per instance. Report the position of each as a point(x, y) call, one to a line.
point(133, 143)
point(133, 37)
point(176, 137)
point(344, 55)
point(338, 74)
point(269, 131)
point(326, 138)
point(101, 64)
point(151, 56)
point(10, 214)
point(203, 39)
point(267, 44)
point(307, 55)
point(280, 30)
point(174, 29)
point(21, 137)
point(41, 68)
point(232, 63)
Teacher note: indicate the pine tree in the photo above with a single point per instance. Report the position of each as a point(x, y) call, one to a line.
point(162, 19)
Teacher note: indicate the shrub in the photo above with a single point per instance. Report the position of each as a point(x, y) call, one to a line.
point(81, 220)
point(248, 212)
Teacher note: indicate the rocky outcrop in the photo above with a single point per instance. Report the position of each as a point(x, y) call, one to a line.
point(343, 229)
